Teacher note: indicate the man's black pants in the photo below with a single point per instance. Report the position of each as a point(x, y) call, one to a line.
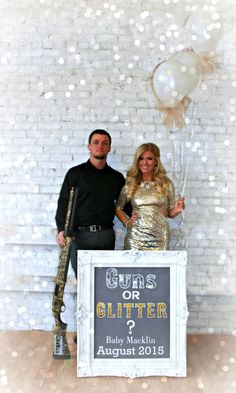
point(100, 240)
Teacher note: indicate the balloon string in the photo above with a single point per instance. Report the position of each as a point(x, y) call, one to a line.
point(183, 175)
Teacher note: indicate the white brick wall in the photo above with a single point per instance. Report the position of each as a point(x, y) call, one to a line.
point(69, 67)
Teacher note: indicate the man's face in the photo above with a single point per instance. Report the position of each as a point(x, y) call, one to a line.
point(99, 146)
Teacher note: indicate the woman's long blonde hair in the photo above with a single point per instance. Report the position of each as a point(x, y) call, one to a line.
point(134, 175)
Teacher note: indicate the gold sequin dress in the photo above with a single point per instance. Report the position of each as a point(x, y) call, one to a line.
point(152, 203)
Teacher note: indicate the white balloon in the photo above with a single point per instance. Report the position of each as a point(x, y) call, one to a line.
point(190, 60)
point(203, 31)
point(172, 82)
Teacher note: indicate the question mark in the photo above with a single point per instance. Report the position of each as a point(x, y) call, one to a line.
point(131, 324)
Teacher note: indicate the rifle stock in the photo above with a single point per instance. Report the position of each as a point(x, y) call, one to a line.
point(60, 346)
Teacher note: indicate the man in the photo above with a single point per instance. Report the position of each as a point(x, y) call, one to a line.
point(98, 188)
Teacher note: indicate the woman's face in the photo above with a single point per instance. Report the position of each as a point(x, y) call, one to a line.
point(146, 164)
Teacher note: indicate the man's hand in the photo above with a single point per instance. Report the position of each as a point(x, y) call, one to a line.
point(61, 239)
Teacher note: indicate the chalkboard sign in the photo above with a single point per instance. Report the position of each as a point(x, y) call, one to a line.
point(132, 313)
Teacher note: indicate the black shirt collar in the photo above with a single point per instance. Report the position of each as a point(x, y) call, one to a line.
point(91, 166)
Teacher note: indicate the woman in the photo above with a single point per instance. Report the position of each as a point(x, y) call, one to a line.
point(152, 196)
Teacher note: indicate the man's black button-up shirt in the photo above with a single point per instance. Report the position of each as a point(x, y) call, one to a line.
point(98, 191)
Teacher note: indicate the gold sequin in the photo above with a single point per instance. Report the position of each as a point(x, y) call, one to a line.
point(151, 230)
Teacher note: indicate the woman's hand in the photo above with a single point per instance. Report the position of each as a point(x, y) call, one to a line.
point(179, 205)
point(132, 220)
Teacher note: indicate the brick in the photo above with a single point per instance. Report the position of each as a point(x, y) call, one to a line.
point(42, 138)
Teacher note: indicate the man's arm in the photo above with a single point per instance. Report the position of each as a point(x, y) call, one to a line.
point(62, 204)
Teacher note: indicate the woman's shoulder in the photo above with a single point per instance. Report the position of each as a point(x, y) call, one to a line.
point(164, 180)
point(170, 181)
point(130, 179)
point(167, 184)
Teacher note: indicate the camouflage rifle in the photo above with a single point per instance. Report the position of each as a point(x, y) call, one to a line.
point(60, 346)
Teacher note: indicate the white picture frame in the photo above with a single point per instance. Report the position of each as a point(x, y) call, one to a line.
point(90, 262)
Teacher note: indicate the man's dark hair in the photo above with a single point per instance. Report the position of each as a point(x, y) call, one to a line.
point(100, 132)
